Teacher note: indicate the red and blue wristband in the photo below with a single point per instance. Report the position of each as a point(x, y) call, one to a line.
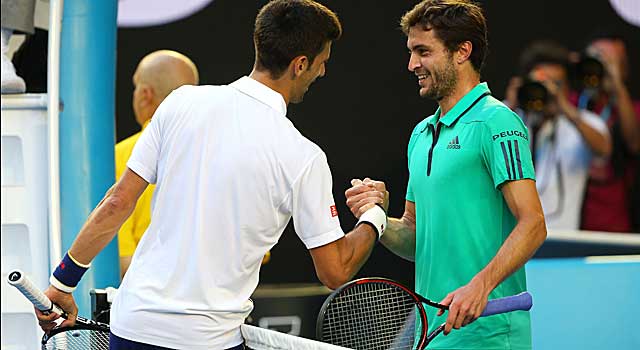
point(68, 274)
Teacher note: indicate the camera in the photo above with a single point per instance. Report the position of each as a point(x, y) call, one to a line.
point(585, 76)
point(587, 73)
point(532, 96)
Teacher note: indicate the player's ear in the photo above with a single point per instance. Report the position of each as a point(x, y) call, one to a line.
point(463, 52)
point(146, 94)
point(299, 65)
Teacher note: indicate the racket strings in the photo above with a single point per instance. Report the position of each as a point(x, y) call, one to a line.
point(371, 316)
point(78, 339)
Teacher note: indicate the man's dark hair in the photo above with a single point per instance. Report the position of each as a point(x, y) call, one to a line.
point(453, 22)
point(286, 29)
point(541, 52)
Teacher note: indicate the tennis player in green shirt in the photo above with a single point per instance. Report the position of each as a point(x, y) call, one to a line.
point(472, 214)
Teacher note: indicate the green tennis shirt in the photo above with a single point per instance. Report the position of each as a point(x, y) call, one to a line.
point(457, 164)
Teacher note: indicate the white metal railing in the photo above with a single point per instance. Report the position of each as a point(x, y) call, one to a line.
point(24, 101)
point(53, 92)
point(621, 239)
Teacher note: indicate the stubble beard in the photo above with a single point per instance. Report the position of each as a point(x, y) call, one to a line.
point(444, 82)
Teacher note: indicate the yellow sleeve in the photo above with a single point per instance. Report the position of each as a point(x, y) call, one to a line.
point(127, 241)
point(123, 151)
point(132, 230)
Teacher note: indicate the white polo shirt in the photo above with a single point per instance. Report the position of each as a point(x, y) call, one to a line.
point(230, 172)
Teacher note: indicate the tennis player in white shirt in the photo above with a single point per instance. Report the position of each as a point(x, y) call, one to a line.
point(230, 171)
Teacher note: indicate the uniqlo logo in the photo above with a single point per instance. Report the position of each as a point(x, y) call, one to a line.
point(334, 211)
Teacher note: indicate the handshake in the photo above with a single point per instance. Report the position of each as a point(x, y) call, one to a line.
point(368, 200)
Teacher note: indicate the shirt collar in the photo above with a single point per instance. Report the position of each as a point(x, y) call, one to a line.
point(462, 105)
point(145, 124)
point(261, 93)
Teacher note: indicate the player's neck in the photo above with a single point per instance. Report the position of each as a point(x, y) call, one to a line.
point(466, 83)
point(281, 86)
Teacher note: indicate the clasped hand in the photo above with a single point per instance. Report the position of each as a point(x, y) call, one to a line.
point(364, 194)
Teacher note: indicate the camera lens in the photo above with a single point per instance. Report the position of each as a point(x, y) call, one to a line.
point(532, 96)
point(588, 73)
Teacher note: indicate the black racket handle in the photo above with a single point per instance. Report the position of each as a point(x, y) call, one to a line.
point(522, 301)
point(19, 280)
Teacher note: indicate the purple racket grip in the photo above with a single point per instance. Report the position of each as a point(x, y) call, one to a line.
point(522, 301)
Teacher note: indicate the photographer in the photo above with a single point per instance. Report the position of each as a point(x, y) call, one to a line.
point(564, 139)
point(613, 184)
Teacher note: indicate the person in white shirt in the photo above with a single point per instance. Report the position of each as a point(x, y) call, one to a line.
point(230, 171)
point(565, 139)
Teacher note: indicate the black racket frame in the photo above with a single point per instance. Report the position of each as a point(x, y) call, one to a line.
point(81, 324)
point(424, 339)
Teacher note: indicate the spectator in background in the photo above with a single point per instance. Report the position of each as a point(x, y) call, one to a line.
point(564, 139)
point(158, 74)
point(17, 16)
point(611, 199)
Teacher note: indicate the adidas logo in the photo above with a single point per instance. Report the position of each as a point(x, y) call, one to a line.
point(454, 143)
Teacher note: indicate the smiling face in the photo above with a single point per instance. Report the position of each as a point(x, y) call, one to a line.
point(432, 63)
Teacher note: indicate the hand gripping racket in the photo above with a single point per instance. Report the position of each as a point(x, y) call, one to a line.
point(85, 334)
point(378, 313)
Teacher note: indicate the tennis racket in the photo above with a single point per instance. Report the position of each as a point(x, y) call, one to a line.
point(85, 334)
point(378, 313)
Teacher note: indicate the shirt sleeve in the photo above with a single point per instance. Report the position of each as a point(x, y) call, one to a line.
point(594, 121)
point(412, 141)
point(146, 153)
point(410, 197)
point(120, 161)
point(315, 216)
point(505, 148)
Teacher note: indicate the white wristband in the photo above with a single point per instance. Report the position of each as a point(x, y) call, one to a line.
point(375, 217)
point(59, 285)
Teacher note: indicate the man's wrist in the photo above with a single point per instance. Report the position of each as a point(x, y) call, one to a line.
point(60, 286)
point(376, 218)
point(68, 274)
point(482, 280)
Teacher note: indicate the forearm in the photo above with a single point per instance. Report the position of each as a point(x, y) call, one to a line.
point(337, 262)
point(628, 120)
point(518, 248)
point(100, 228)
point(598, 142)
point(400, 238)
point(356, 248)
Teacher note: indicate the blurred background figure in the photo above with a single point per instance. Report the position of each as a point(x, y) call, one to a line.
point(564, 139)
point(17, 16)
point(612, 194)
point(158, 74)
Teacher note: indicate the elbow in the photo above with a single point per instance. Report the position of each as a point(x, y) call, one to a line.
point(540, 229)
point(115, 205)
point(334, 279)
